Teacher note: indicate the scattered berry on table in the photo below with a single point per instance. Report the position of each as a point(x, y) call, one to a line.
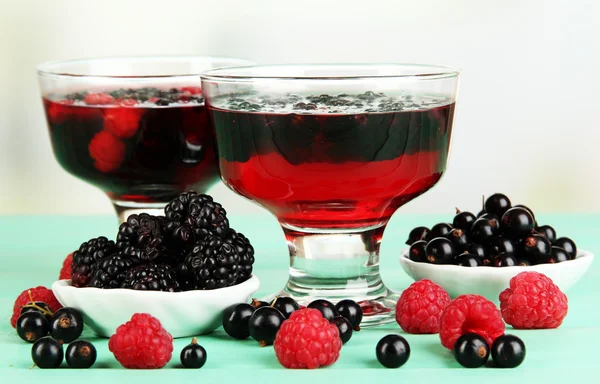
point(392, 351)
point(352, 311)
point(151, 277)
point(141, 343)
point(344, 327)
point(497, 204)
point(517, 222)
point(418, 233)
point(259, 304)
point(88, 253)
point(37, 306)
point(470, 314)
point(235, 320)
point(463, 220)
point(264, 325)
point(307, 340)
point(471, 350)
point(65, 270)
point(326, 308)
point(32, 326)
point(568, 245)
point(31, 295)
point(417, 251)
point(47, 353)
point(66, 324)
point(285, 305)
point(533, 301)
point(420, 307)
point(193, 355)
point(80, 354)
point(439, 230)
point(440, 251)
point(508, 351)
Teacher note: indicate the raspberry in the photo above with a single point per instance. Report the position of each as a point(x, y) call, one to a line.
point(420, 307)
point(141, 343)
point(533, 301)
point(122, 122)
point(98, 99)
point(107, 151)
point(470, 314)
point(127, 102)
point(307, 340)
point(57, 113)
point(40, 293)
point(65, 271)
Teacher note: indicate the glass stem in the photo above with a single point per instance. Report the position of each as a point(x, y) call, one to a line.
point(126, 208)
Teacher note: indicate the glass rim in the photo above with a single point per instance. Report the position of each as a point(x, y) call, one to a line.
point(52, 68)
point(426, 72)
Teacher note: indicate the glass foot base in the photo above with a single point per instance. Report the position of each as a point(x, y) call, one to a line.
point(126, 208)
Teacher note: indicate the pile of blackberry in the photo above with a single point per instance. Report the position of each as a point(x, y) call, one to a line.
point(191, 247)
point(500, 235)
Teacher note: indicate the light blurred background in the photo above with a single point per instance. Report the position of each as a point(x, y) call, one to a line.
point(527, 115)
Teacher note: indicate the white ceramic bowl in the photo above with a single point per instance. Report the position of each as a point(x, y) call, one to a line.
point(490, 281)
point(183, 314)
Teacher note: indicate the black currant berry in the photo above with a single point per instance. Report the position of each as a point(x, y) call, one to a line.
point(469, 260)
point(476, 249)
point(418, 233)
point(259, 304)
point(517, 222)
point(47, 353)
point(536, 248)
point(568, 245)
point(508, 351)
point(350, 310)
point(505, 260)
point(548, 232)
point(558, 255)
point(527, 208)
point(193, 355)
point(235, 320)
point(471, 350)
point(32, 326)
point(286, 305)
point(497, 204)
point(463, 220)
point(439, 230)
point(344, 327)
point(440, 251)
point(326, 308)
point(264, 325)
point(500, 245)
point(392, 351)
point(523, 263)
point(417, 251)
point(458, 238)
point(80, 354)
point(66, 324)
point(38, 306)
point(484, 230)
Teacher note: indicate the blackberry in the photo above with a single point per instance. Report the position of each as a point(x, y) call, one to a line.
point(141, 237)
point(151, 277)
point(110, 271)
point(87, 254)
point(192, 216)
point(217, 262)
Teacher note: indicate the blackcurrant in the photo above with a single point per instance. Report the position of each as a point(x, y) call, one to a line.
point(440, 251)
point(517, 222)
point(38, 306)
point(471, 350)
point(47, 353)
point(523, 263)
point(439, 230)
point(344, 327)
point(490, 216)
point(476, 249)
point(80, 354)
point(484, 230)
point(536, 248)
point(469, 260)
point(417, 251)
point(568, 245)
point(500, 245)
point(558, 255)
point(193, 355)
point(66, 324)
point(508, 351)
point(463, 220)
point(497, 204)
point(286, 305)
point(548, 232)
point(527, 208)
point(235, 320)
point(505, 260)
point(392, 351)
point(458, 237)
point(259, 304)
point(32, 326)
point(326, 308)
point(351, 311)
point(418, 233)
point(264, 325)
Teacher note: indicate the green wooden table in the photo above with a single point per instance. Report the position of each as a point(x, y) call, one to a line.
point(32, 249)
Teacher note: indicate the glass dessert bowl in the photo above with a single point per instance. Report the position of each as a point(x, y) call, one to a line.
point(333, 151)
point(135, 127)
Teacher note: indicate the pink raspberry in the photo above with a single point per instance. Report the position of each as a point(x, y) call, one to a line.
point(98, 99)
point(420, 307)
point(41, 294)
point(65, 271)
point(107, 151)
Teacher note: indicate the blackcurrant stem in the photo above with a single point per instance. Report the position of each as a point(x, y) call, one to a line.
point(457, 210)
point(45, 312)
point(274, 301)
point(194, 341)
point(483, 202)
point(33, 366)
